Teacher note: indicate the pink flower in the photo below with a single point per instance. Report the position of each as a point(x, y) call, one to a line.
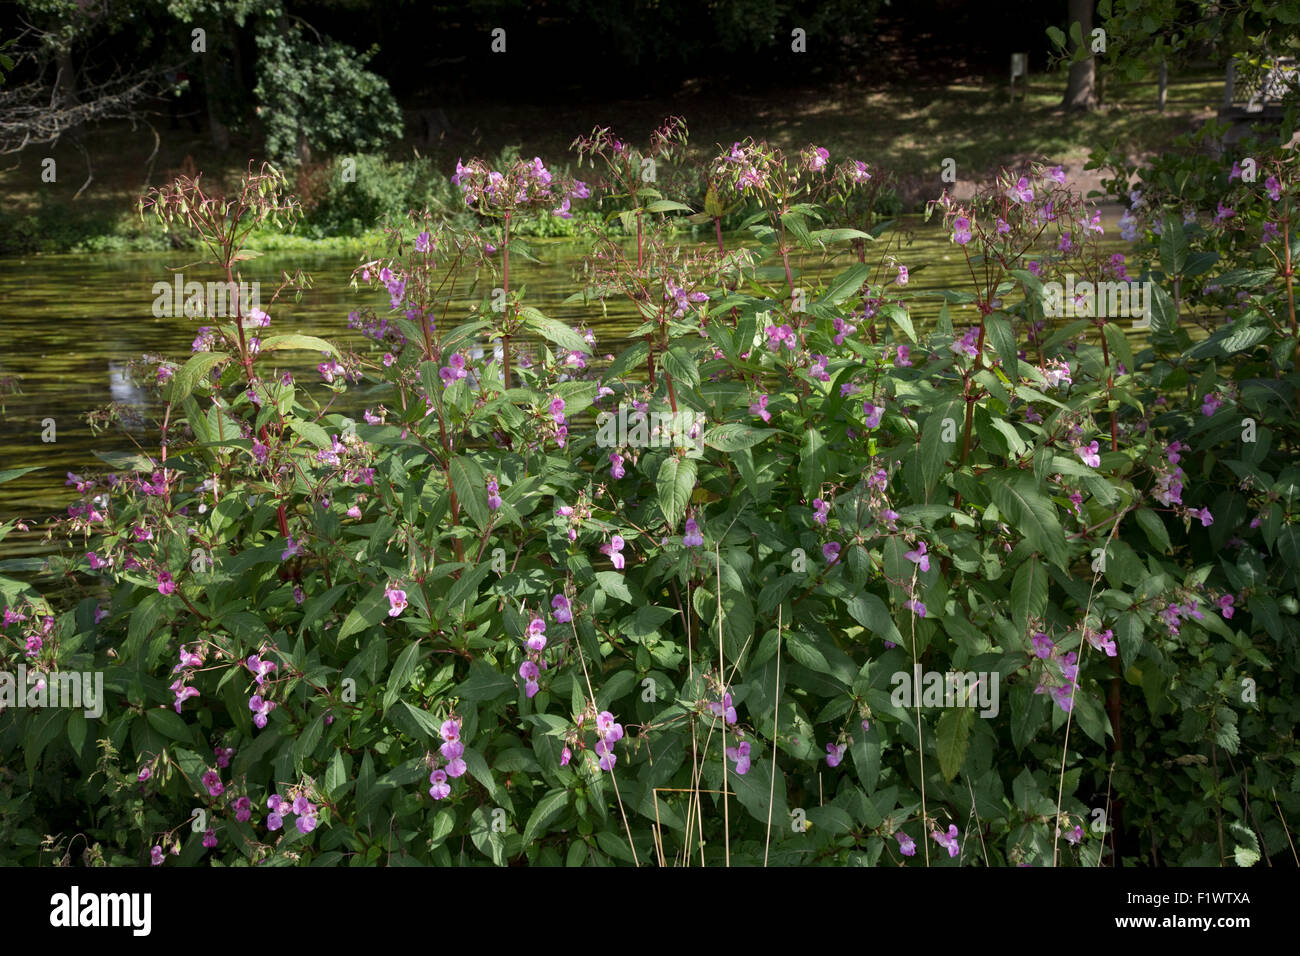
point(740, 754)
point(1225, 606)
point(949, 840)
point(183, 693)
point(961, 233)
point(450, 729)
point(396, 601)
point(144, 774)
point(873, 413)
point(918, 556)
point(759, 408)
point(156, 855)
point(616, 469)
point(1273, 188)
point(1210, 404)
point(831, 552)
point(902, 358)
point(243, 810)
point(1089, 455)
point(165, 583)
point(1207, 519)
point(212, 780)
point(260, 668)
point(902, 275)
point(915, 607)
point(906, 845)
point(565, 756)
point(560, 609)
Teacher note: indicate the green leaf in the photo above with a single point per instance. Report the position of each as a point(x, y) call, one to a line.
point(370, 610)
point(665, 205)
point(734, 436)
point(1028, 593)
point(1029, 512)
point(307, 342)
point(999, 333)
point(847, 283)
point(11, 473)
point(470, 485)
point(935, 451)
point(335, 774)
point(484, 683)
point(679, 363)
point(953, 735)
point(557, 332)
point(676, 484)
point(547, 810)
point(183, 382)
point(1154, 527)
point(813, 462)
point(400, 675)
point(613, 584)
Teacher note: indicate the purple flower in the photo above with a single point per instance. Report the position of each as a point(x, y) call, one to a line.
point(906, 845)
point(831, 551)
point(422, 242)
point(144, 774)
point(493, 495)
point(156, 855)
point(1207, 519)
point(441, 789)
point(396, 601)
point(759, 408)
point(565, 756)
point(723, 709)
point(274, 821)
point(450, 729)
point(692, 538)
point(918, 556)
point(902, 357)
point(902, 275)
point(834, 754)
point(536, 637)
point(165, 583)
point(1210, 404)
point(820, 510)
point(949, 840)
point(607, 756)
point(915, 607)
point(778, 334)
point(260, 668)
point(873, 413)
point(560, 609)
point(243, 810)
point(1064, 697)
point(1042, 645)
point(1022, 192)
point(740, 754)
point(183, 693)
point(529, 672)
point(1089, 455)
point(210, 838)
point(305, 823)
point(613, 548)
point(456, 767)
point(261, 709)
point(616, 470)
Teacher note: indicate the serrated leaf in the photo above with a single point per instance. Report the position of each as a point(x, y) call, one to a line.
point(675, 483)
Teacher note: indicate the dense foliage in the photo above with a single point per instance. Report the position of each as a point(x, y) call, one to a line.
point(503, 617)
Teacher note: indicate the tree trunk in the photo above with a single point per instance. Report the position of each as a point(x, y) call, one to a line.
point(1079, 92)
